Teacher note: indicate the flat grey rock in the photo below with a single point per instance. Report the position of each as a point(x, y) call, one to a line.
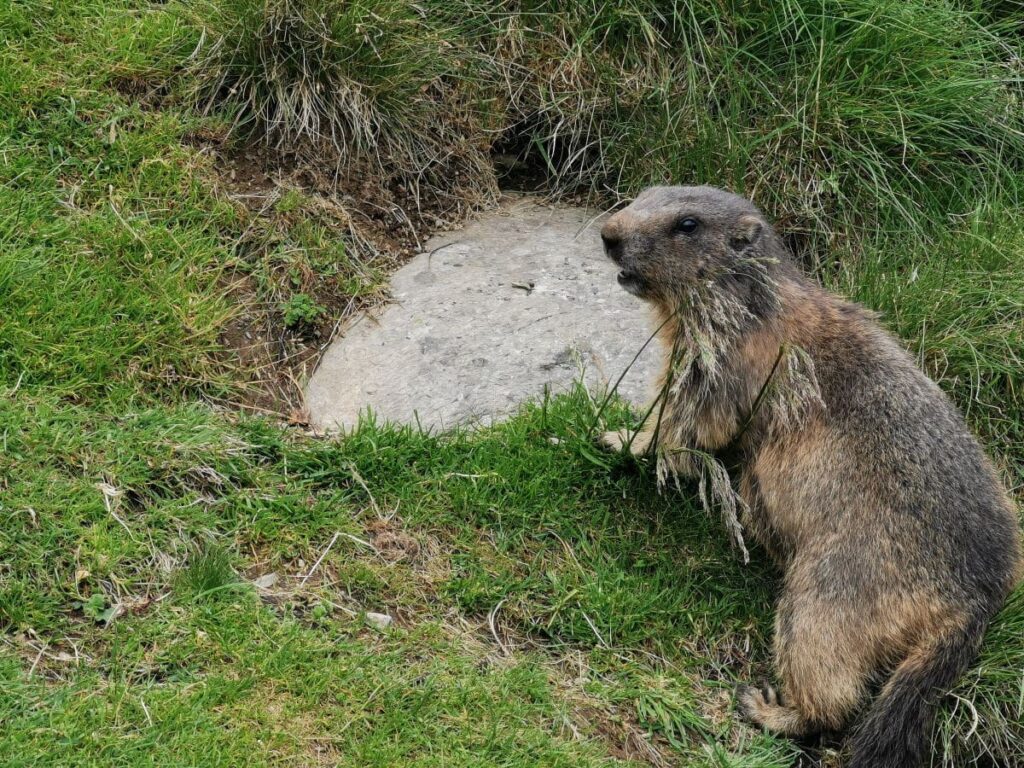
point(520, 300)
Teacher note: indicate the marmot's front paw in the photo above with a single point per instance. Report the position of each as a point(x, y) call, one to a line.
point(624, 439)
point(615, 441)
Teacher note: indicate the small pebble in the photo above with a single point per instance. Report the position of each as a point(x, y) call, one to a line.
point(266, 581)
point(379, 620)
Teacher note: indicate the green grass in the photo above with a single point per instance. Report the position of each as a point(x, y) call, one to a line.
point(614, 608)
point(836, 115)
point(181, 584)
point(610, 599)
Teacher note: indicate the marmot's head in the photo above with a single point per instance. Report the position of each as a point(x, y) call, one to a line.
point(672, 239)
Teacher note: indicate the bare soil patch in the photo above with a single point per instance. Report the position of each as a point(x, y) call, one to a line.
point(316, 249)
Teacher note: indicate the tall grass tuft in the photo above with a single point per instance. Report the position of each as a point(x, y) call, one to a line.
point(374, 87)
point(841, 117)
point(207, 572)
point(836, 115)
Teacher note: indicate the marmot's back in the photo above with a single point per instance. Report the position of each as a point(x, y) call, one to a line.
point(909, 448)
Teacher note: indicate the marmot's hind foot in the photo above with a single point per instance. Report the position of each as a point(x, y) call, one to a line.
point(763, 706)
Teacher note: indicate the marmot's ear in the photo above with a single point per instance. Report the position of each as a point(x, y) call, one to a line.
point(747, 232)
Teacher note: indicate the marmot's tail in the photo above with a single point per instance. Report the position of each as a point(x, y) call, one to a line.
point(896, 730)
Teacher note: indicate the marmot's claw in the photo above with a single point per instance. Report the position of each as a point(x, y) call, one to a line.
point(747, 700)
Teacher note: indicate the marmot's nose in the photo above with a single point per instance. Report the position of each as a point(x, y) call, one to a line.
point(612, 239)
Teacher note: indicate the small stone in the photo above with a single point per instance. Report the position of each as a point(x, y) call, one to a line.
point(266, 581)
point(379, 620)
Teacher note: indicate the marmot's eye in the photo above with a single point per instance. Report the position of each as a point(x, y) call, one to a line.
point(687, 226)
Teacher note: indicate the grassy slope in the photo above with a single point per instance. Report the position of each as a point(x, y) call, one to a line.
point(455, 526)
point(133, 519)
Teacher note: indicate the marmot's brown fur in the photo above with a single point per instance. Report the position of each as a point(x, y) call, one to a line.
point(860, 476)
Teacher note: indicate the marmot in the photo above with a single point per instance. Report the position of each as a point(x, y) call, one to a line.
point(860, 477)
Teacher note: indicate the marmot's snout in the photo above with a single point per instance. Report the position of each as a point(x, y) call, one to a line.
point(613, 236)
point(612, 242)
